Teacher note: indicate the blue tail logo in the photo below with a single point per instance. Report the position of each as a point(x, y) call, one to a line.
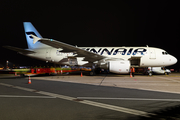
point(30, 29)
point(29, 34)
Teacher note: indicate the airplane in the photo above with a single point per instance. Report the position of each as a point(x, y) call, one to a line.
point(115, 59)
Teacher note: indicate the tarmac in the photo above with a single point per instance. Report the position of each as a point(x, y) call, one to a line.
point(161, 83)
point(104, 96)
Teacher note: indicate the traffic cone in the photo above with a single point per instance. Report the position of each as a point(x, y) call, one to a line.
point(130, 74)
point(81, 74)
point(29, 81)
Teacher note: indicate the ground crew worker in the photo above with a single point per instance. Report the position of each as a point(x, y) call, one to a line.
point(132, 71)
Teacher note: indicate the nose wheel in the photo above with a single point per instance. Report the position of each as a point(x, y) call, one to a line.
point(150, 73)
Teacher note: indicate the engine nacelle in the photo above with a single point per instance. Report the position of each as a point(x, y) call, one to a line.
point(119, 67)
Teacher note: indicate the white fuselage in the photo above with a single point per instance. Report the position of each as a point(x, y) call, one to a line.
point(139, 56)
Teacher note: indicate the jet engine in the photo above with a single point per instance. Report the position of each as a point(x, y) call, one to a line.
point(119, 67)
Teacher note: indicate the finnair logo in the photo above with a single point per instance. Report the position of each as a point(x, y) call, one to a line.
point(121, 51)
point(29, 34)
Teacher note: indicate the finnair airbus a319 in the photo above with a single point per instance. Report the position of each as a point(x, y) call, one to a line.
point(115, 59)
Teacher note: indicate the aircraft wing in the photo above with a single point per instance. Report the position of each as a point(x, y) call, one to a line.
point(89, 56)
point(20, 50)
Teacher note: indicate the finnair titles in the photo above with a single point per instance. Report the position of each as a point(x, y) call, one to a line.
point(113, 51)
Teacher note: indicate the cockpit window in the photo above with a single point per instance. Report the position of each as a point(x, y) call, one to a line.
point(164, 53)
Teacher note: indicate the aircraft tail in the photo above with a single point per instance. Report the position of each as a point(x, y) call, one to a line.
point(30, 29)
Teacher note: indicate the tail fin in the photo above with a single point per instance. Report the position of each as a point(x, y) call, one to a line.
point(30, 29)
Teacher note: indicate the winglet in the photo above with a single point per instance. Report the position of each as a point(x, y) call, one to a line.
point(35, 38)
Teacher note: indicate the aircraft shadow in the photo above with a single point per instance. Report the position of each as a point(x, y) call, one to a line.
point(168, 113)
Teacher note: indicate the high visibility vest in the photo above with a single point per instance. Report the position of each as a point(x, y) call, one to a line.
point(132, 70)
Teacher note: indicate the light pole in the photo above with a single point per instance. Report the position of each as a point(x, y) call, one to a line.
point(7, 64)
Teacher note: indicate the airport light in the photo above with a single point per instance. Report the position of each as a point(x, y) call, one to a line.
point(7, 64)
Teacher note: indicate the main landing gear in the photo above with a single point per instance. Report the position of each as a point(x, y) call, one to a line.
point(92, 72)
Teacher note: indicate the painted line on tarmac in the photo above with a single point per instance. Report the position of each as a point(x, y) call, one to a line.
point(169, 79)
point(87, 102)
point(146, 99)
point(16, 96)
point(172, 76)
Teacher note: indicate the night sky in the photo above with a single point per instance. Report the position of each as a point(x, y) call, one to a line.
point(91, 23)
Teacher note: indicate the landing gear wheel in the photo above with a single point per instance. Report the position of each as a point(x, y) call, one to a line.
point(150, 74)
point(91, 73)
point(166, 73)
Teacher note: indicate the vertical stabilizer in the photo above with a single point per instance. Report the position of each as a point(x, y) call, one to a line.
point(30, 29)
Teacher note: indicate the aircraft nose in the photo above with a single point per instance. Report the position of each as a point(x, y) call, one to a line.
point(173, 60)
